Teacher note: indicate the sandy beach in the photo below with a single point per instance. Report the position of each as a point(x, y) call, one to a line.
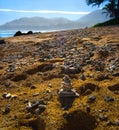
point(32, 68)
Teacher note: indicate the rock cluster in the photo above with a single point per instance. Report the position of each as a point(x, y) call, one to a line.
point(67, 94)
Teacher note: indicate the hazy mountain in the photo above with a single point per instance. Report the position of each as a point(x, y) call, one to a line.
point(93, 18)
point(41, 23)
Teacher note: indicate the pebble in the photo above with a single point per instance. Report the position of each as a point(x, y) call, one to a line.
point(91, 98)
point(103, 117)
point(109, 99)
point(116, 122)
point(35, 94)
point(6, 110)
point(28, 115)
point(33, 87)
point(6, 95)
point(83, 77)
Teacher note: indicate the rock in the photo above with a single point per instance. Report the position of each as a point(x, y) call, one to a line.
point(2, 41)
point(41, 108)
point(91, 98)
point(103, 117)
point(35, 94)
point(28, 115)
point(116, 92)
point(33, 87)
point(88, 109)
point(109, 99)
point(50, 85)
point(6, 95)
point(7, 109)
point(29, 32)
point(67, 94)
point(102, 77)
point(18, 33)
point(116, 122)
point(83, 77)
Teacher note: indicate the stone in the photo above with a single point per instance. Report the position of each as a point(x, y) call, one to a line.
point(6, 110)
point(88, 109)
point(6, 95)
point(28, 115)
point(116, 122)
point(33, 87)
point(2, 41)
point(83, 77)
point(91, 98)
point(67, 94)
point(103, 117)
point(18, 33)
point(35, 94)
point(109, 99)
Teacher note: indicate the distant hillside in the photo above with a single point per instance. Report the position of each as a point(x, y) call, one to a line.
point(93, 18)
point(41, 23)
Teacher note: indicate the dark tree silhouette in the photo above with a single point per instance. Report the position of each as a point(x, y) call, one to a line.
point(111, 6)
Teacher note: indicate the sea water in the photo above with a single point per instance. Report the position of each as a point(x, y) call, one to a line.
point(7, 33)
point(10, 33)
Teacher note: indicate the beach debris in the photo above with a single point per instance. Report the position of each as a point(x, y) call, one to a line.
point(67, 94)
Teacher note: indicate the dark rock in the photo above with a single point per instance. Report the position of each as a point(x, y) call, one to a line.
point(29, 32)
point(83, 77)
point(33, 106)
point(116, 74)
point(1, 67)
point(18, 33)
point(28, 115)
point(102, 77)
point(33, 87)
point(88, 109)
point(7, 109)
point(91, 98)
point(114, 87)
point(2, 41)
point(109, 99)
point(6, 95)
point(88, 87)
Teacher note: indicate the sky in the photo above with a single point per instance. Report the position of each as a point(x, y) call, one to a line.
point(71, 9)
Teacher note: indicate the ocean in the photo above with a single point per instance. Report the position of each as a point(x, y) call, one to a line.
point(10, 33)
point(7, 34)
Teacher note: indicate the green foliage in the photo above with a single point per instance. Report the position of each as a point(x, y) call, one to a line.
point(108, 23)
point(111, 6)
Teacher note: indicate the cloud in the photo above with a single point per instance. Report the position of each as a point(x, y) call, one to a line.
point(44, 11)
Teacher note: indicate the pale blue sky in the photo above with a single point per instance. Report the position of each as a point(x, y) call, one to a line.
point(71, 9)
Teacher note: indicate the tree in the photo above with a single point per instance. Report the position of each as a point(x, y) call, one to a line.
point(112, 6)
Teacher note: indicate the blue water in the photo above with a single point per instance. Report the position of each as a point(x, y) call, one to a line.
point(7, 33)
point(10, 33)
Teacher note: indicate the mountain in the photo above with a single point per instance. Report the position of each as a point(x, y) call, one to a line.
point(93, 18)
point(39, 23)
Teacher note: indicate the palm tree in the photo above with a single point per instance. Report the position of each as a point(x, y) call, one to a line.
point(112, 6)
